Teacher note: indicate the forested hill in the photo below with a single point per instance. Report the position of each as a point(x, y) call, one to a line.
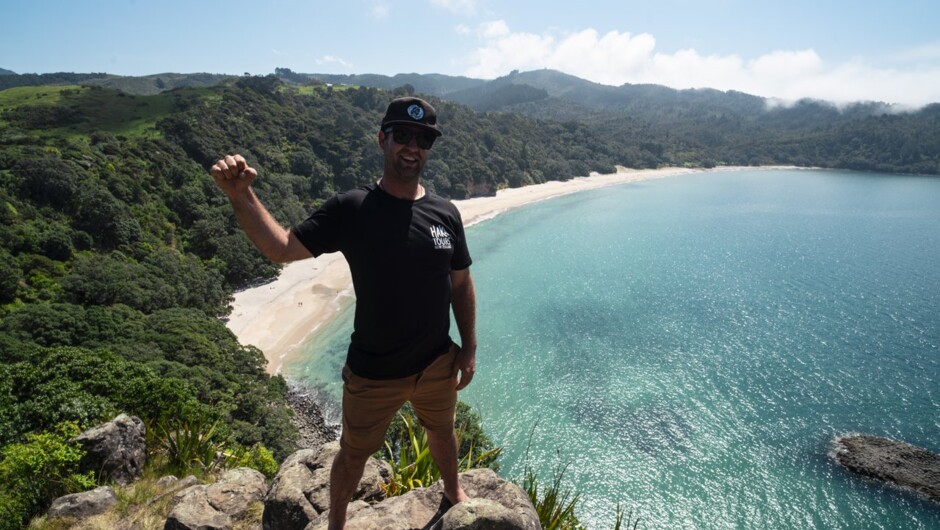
point(138, 85)
point(658, 125)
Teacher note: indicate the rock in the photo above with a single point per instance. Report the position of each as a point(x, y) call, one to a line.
point(495, 503)
point(178, 490)
point(215, 506)
point(166, 482)
point(892, 461)
point(237, 489)
point(115, 450)
point(301, 489)
point(193, 512)
point(85, 504)
point(481, 514)
point(309, 418)
point(287, 505)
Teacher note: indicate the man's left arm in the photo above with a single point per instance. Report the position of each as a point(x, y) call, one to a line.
point(464, 301)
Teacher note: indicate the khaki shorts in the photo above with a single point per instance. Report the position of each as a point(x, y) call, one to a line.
point(369, 404)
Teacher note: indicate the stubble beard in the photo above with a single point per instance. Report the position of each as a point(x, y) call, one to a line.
point(397, 170)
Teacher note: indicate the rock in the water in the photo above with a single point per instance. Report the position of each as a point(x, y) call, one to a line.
point(115, 450)
point(892, 461)
point(84, 504)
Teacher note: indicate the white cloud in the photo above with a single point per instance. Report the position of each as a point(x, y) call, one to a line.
point(460, 7)
point(616, 58)
point(331, 59)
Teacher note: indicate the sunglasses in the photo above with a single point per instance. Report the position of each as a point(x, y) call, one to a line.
point(403, 135)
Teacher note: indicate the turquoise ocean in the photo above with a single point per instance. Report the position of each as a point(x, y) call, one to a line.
point(690, 347)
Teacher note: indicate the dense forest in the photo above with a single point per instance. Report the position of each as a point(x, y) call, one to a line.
point(118, 256)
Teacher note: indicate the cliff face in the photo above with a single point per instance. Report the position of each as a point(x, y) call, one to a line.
point(891, 461)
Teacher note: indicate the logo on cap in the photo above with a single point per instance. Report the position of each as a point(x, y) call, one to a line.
point(416, 112)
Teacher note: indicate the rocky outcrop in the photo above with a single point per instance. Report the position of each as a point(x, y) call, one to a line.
point(301, 489)
point(115, 450)
point(309, 418)
point(482, 514)
point(298, 498)
point(495, 504)
point(217, 506)
point(896, 462)
point(84, 504)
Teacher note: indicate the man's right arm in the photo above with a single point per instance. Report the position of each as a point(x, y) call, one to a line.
point(234, 176)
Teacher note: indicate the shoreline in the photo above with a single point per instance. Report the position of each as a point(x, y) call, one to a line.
point(280, 316)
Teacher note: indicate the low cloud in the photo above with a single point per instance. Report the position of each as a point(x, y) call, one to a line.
point(616, 58)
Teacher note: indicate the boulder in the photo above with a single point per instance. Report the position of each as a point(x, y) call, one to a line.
point(115, 450)
point(84, 504)
point(216, 506)
point(495, 504)
point(481, 514)
point(237, 490)
point(301, 489)
point(889, 460)
point(193, 512)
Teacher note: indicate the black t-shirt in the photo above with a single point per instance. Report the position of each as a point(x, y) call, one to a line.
point(401, 254)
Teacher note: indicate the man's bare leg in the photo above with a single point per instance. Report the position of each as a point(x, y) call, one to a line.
point(344, 479)
point(443, 446)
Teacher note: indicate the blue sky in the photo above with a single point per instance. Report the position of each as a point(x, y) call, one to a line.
point(835, 50)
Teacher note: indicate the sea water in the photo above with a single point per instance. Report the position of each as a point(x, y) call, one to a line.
point(688, 348)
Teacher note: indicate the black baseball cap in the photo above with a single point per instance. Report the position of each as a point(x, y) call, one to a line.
point(411, 111)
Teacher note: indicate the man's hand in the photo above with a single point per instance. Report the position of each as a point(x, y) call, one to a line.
point(233, 175)
point(466, 363)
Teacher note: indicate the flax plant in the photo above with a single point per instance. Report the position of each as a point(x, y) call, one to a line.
point(554, 504)
point(412, 464)
point(190, 443)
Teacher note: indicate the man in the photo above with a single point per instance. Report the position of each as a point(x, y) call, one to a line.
point(410, 264)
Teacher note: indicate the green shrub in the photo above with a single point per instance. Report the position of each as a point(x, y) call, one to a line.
point(256, 457)
point(37, 471)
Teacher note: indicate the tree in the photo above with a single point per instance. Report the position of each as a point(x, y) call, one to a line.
point(10, 277)
point(49, 181)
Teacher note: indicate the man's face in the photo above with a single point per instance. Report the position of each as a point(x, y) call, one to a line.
point(403, 161)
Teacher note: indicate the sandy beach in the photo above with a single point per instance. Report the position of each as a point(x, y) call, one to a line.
point(280, 316)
